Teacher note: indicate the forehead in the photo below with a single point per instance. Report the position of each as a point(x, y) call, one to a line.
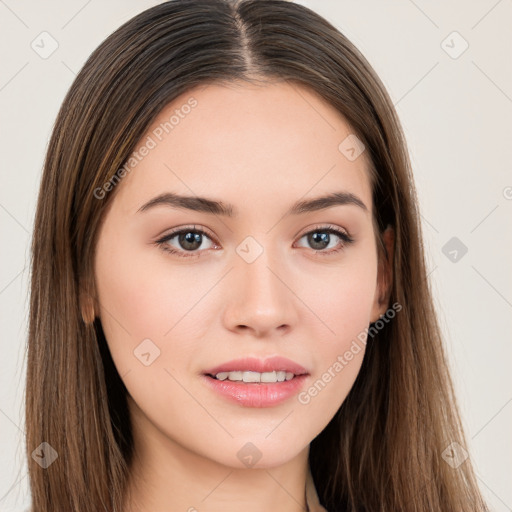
point(247, 141)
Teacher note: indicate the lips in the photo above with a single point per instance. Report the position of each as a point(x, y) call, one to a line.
point(252, 364)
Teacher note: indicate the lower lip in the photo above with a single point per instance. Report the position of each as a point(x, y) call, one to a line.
point(256, 394)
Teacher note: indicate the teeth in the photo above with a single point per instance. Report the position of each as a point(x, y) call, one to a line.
point(251, 377)
point(281, 376)
point(274, 376)
point(269, 377)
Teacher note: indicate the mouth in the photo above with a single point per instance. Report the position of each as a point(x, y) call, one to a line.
point(249, 377)
point(252, 382)
point(251, 370)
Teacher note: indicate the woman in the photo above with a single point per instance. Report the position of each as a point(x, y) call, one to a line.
point(229, 301)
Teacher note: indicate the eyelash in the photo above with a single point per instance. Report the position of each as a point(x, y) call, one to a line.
point(162, 242)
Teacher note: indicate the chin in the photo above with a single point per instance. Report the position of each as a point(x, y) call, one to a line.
point(258, 453)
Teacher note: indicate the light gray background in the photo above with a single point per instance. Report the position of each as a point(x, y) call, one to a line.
point(456, 113)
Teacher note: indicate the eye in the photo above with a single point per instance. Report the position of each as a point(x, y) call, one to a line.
point(189, 240)
point(320, 238)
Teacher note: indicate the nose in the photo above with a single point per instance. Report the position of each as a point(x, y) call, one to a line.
point(260, 298)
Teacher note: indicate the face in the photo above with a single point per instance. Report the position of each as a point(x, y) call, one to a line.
point(184, 287)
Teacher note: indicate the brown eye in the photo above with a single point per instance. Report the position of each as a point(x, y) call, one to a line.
point(323, 238)
point(185, 240)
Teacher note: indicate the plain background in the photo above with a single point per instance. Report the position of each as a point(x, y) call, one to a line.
point(456, 110)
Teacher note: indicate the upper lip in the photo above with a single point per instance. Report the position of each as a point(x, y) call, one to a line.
point(252, 364)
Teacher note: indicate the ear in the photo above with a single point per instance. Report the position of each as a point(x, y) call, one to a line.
point(87, 307)
point(385, 274)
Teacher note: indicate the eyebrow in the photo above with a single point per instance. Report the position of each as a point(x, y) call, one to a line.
point(206, 205)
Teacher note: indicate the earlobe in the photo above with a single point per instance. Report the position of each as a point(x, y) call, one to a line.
point(385, 274)
point(87, 309)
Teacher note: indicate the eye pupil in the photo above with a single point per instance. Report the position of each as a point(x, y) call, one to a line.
point(321, 238)
point(189, 237)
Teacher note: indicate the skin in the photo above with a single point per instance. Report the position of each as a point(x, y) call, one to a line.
point(260, 149)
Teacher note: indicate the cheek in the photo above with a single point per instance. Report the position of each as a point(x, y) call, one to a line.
point(341, 295)
point(143, 297)
point(343, 305)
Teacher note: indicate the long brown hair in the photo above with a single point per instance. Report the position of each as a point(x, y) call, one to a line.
point(383, 449)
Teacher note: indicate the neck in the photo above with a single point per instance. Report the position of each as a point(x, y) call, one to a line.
point(166, 475)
